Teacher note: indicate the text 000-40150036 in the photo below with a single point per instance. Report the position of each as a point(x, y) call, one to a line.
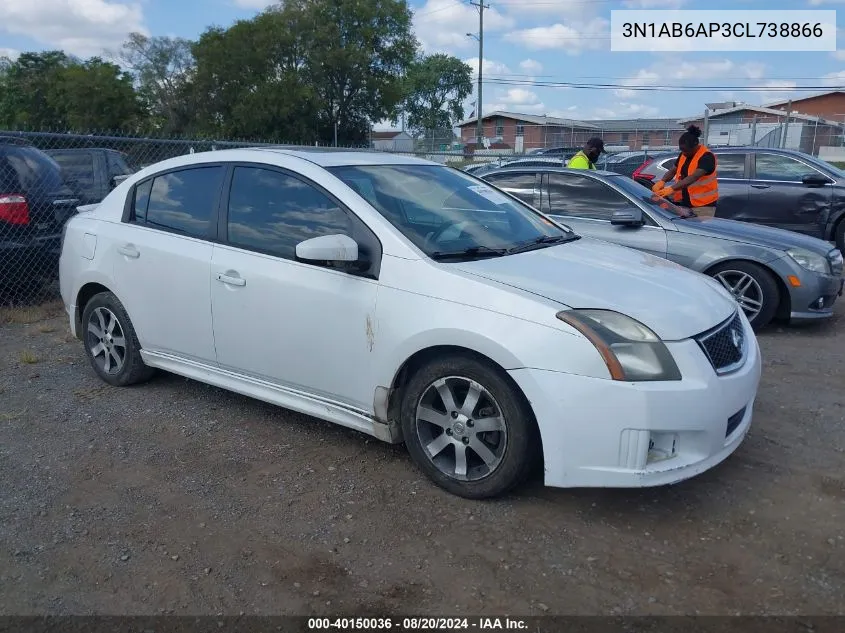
point(737, 30)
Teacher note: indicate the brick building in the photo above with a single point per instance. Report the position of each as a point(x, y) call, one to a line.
point(524, 132)
point(827, 105)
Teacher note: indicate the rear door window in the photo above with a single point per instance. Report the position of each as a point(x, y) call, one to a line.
point(78, 167)
point(29, 171)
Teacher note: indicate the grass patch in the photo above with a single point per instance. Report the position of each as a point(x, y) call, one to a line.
point(27, 357)
point(46, 329)
point(25, 315)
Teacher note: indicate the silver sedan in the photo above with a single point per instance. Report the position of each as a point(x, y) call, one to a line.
point(772, 273)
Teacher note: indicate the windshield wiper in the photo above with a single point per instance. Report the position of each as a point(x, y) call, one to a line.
point(543, 241)
point(474, 251)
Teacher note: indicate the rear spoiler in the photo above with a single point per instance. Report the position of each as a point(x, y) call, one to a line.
point(85, 208)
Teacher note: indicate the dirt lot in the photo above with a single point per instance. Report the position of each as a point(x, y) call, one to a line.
point(174, 497)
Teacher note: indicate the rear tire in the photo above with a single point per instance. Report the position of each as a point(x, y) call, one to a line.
point(478, 439)
point(111, 344)
point(754, 288)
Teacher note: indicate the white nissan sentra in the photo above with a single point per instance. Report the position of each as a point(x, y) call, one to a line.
point(417, 304)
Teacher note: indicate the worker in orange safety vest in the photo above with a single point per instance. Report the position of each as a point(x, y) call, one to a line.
point(695, 176)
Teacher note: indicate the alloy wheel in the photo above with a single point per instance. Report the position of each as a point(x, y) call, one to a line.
point(745, 290)
point(106, 341)
point(461, 428)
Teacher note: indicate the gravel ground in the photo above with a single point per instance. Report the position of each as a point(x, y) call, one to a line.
point(175, 497)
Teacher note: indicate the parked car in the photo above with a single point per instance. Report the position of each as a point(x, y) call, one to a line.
point(95, 171)
point(414, 303)
point(520, 162)
point(565, 153)
point(35, 202)
point(771, 272)
point(624, 163)
point(774, 187)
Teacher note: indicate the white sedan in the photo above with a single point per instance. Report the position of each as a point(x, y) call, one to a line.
point(414, 303)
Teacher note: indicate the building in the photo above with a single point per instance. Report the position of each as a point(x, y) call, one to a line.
point(827, 105)
point(745, 124)
point(392, 141)
point(639, 134)
point(524, 132)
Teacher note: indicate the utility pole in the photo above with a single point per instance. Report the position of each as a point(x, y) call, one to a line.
point(786, 124)
point(481, 6)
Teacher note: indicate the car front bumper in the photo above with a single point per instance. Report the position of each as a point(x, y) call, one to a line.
point(605, 433)
point(815, 298)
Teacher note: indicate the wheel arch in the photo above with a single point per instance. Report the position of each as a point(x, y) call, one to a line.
point(85, 293)
point(784, 300)
point(420, 357)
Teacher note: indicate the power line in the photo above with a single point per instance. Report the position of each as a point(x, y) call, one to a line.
point(657, 88)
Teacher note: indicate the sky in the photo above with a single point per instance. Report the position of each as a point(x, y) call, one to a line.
point(525, 42)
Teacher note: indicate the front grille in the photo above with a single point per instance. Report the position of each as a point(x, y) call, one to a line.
point(734, 421)
point(724, 345)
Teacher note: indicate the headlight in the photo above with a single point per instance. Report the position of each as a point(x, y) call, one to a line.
point(809, 261)
point(631, 351)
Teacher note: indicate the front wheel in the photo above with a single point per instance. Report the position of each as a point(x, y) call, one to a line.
point(468, 428)
point(754, 289)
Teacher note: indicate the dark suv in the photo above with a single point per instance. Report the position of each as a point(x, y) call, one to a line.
point(35, 203)
point(774, 187)
point(94, 171)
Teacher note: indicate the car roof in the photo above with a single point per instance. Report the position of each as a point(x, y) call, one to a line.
point(269, 155)
point(557, 168)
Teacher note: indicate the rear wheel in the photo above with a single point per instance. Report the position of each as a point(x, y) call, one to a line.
point(111, 344)
point(468, 428)
point(754, 289)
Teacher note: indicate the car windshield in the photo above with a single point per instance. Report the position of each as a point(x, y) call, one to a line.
point(447, 213)
point(654, 201)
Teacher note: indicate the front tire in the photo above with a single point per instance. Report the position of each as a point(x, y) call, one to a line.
point(753, 287)
point(468, 427)
point(110, 342)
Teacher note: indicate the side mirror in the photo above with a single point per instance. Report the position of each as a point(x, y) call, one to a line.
point(116, 180)
point(815, 180)
point(627, 217)
point(328, 248)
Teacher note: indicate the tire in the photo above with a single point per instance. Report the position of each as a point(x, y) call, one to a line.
point(766, 290)
point(511, 450)
point(104, 319)
point(839, 236)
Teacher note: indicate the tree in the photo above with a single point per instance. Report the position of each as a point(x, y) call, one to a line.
point(162, 68)
point(98, 95)
point(51, 91)
point(358, 52)
point(436, 87)
point(250, 80)
point(29, 98)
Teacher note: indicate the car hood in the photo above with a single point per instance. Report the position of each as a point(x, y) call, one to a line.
point(747, 233)
point(673, 301)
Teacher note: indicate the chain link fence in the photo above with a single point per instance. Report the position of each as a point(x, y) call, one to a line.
point(45, 176)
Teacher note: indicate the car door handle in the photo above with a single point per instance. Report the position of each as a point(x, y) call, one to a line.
point(761, 186)
point(232, 281)
point(129, 251)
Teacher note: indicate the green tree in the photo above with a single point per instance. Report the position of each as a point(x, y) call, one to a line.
point(51, 91)
point(162, 68)
point(436, 87)
point(30, 91)
point(358, 53)
point(250, 80)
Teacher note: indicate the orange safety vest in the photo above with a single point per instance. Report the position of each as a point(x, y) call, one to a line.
point(704, 191)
